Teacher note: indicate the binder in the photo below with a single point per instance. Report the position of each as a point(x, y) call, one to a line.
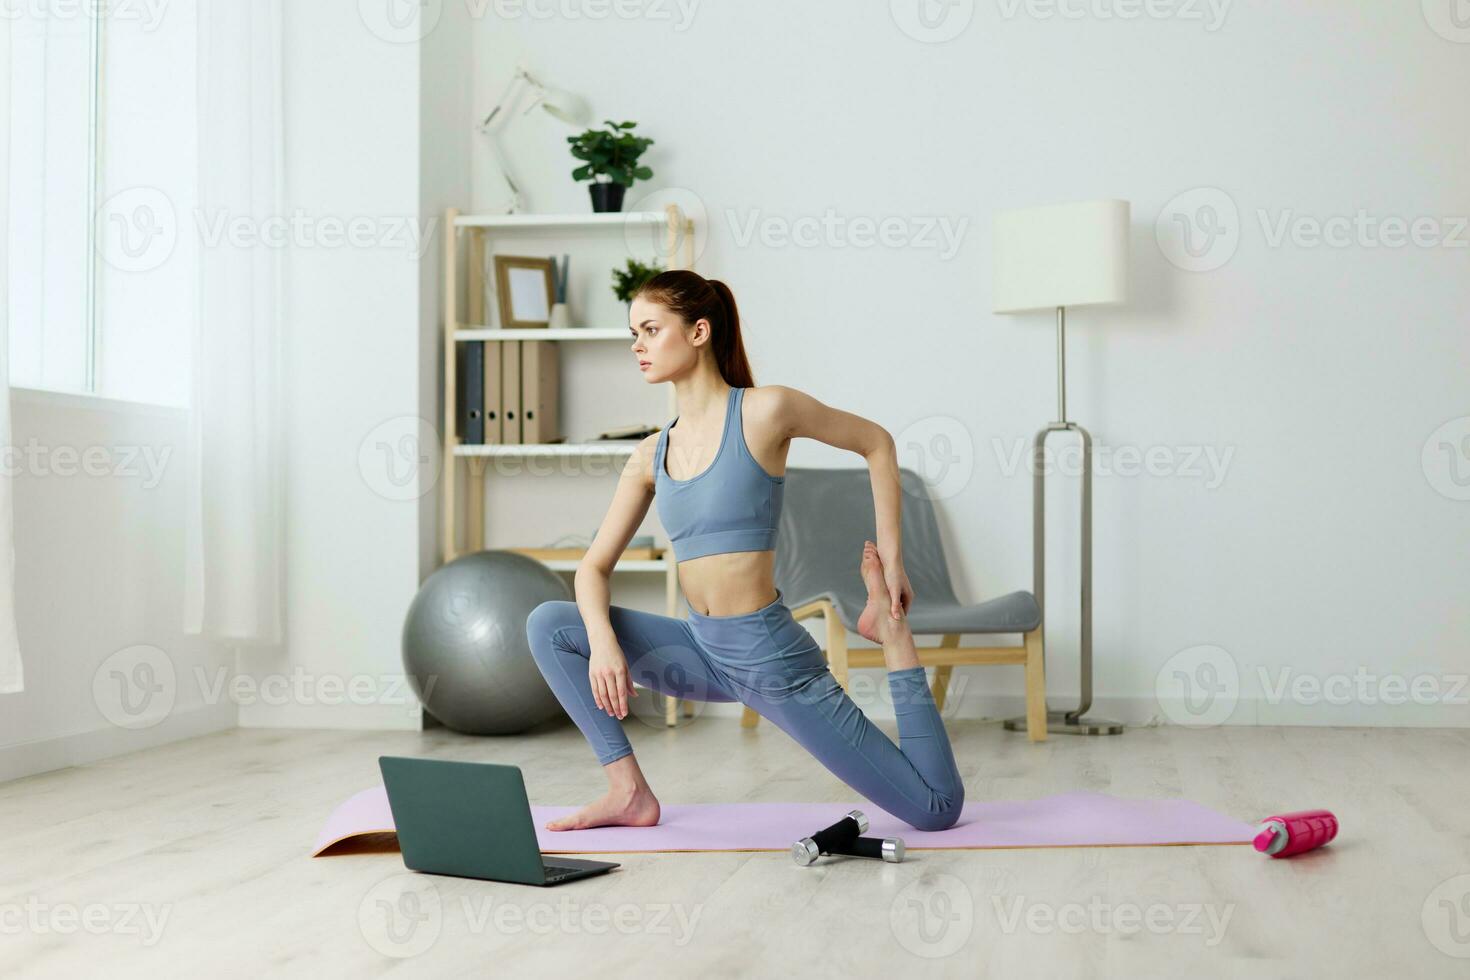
point(539, 390)
point(494, 430)
point(470, 408)
point(510, 391)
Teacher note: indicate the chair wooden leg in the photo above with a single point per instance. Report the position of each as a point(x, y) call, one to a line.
point(1035, 687)
point(942, 673)
point(671, 710)
point(749, 718)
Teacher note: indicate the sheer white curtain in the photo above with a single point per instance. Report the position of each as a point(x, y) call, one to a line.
point(235, 539)
point(12, 677)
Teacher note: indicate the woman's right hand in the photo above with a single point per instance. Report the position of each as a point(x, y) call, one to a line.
point(607, 670)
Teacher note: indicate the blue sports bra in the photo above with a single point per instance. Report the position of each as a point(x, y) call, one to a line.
point(734, 505)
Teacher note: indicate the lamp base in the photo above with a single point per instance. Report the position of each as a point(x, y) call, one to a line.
point(1068, 723)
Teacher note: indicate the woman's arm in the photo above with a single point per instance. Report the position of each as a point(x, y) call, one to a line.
point(801, 415)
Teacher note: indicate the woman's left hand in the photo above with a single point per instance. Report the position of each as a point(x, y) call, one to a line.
point(899, 590)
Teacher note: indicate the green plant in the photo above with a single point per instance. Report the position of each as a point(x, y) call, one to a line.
point(626, 281)
point(612, 152)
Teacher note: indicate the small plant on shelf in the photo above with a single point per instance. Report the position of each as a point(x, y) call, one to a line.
point(628, 279)
point(611, 153)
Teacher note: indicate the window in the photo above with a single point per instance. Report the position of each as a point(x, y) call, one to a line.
point(101, 249)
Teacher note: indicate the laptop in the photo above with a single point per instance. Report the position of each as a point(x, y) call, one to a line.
point(472, 820)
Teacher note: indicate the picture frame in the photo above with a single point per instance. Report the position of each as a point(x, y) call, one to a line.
point(525, 290)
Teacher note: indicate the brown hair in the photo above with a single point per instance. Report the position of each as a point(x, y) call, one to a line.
point(693, 297)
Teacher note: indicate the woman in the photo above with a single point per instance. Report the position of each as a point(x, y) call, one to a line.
point(717, 474)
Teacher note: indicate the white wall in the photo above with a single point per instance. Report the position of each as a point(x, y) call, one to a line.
point(99, 571)
point(1315, 374)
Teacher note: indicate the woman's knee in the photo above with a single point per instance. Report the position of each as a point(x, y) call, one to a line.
point(546, 619)
point(945, 812)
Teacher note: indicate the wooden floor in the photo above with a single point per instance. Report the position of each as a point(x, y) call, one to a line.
point(191, 860)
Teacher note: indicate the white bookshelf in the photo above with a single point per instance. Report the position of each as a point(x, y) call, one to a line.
point(470, 234)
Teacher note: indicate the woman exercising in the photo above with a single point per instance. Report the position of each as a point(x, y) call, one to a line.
point(718, 480)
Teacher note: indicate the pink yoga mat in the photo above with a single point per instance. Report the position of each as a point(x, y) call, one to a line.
point(1064, 820)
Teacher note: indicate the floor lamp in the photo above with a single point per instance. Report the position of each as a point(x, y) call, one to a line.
point(1050, 258)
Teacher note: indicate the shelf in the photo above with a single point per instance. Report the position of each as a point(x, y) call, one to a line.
point(629, 565)
point(611, 448)
point(544, 333)
point(614, 219)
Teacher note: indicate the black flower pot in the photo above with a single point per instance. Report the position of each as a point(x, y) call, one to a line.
point(606, 197)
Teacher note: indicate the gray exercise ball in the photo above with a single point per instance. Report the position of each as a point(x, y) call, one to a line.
point(465, 647)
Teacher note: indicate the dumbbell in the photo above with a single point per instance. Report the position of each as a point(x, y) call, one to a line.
point(827, 841)
point(889, 849)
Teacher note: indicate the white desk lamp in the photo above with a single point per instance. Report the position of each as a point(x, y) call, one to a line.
point(558, 104)
point(1047, 258)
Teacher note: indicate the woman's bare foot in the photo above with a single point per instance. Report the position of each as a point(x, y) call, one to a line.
point(616, 808)
point(879, 601)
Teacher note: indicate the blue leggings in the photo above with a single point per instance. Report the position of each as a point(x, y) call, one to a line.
point(766, 660)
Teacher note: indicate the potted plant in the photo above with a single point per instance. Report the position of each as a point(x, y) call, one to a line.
point(628, 279)
point(611, 153)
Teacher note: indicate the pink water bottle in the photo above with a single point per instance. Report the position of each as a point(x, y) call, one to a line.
point(1286, 834)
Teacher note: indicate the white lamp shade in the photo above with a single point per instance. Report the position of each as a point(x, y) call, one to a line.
point(1060, 255)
